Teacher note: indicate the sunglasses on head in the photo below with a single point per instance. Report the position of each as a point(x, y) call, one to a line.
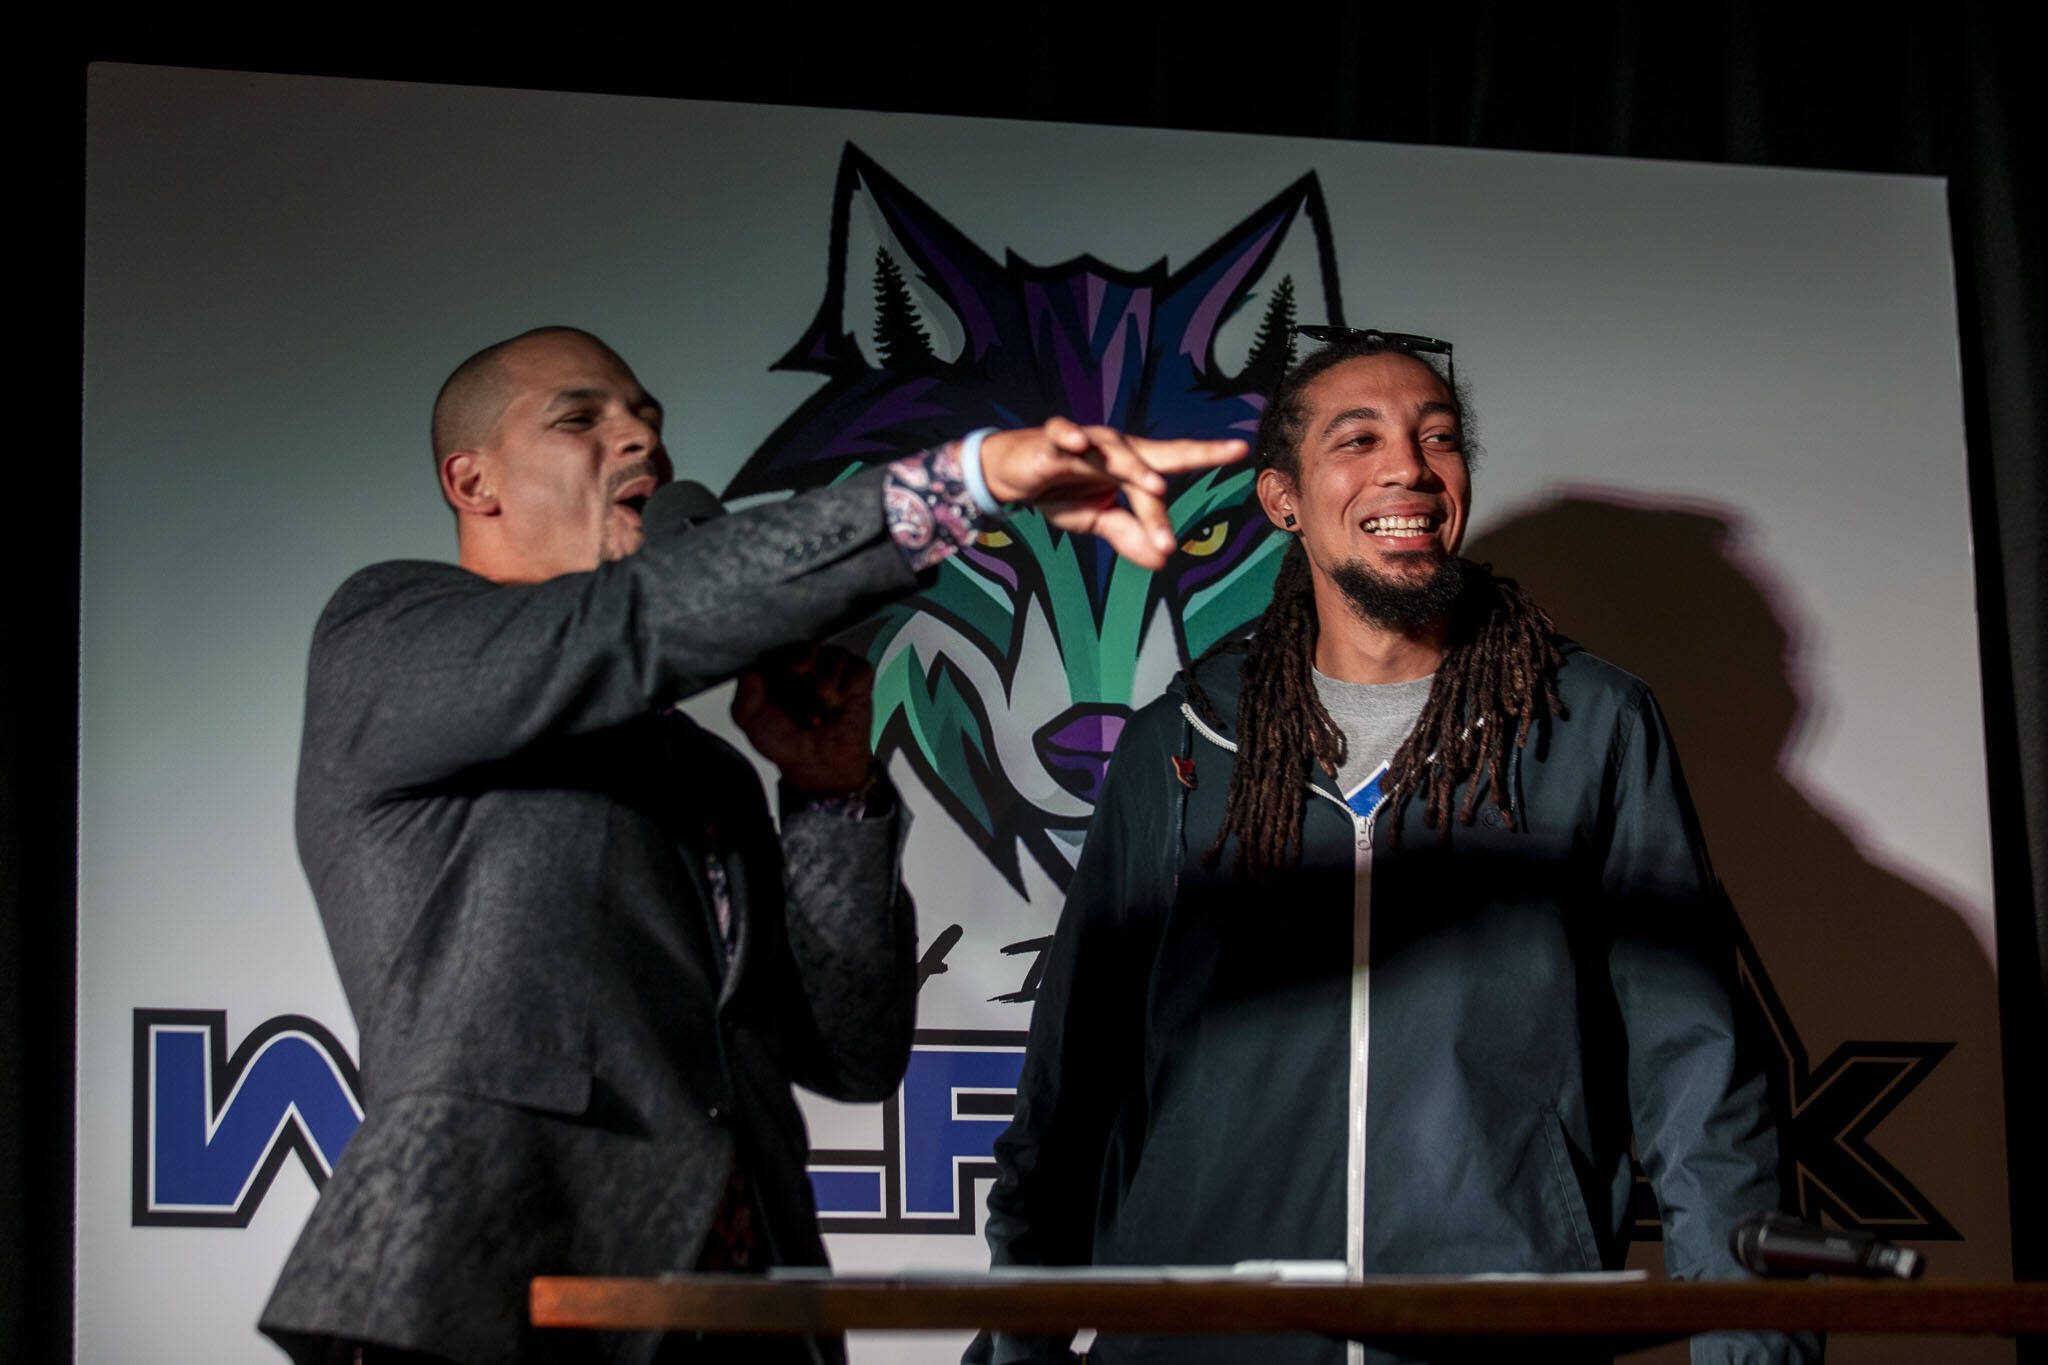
point(1397, 341)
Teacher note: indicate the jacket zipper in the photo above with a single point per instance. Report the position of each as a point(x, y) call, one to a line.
point(1360, 1031)
point(1361, 1050)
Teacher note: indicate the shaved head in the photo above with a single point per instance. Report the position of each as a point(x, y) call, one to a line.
point(546, 447)
point(467, 409)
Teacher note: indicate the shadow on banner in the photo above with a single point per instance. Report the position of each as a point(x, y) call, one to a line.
point(1856, 950)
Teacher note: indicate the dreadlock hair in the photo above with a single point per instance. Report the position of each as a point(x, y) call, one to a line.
point(1495, 683)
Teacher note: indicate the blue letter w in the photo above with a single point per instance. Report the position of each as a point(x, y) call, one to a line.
point(211, 1131)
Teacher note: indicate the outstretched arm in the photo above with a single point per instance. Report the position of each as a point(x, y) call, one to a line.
point(421, 673)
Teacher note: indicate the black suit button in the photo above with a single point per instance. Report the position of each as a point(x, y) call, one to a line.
point(720, 1113)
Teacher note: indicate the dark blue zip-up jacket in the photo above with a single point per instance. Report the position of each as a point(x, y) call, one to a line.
point(1529, 997)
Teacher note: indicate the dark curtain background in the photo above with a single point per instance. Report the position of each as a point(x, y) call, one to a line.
point(1949, 91)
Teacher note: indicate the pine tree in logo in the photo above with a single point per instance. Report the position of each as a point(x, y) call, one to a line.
point(1273, 347)
point(898, 334)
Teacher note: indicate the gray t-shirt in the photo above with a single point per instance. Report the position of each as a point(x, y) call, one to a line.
point(1375, 718)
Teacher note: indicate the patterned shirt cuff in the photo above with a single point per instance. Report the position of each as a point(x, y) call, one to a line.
point(930, 508)
point(844, 807)
point(872, 800)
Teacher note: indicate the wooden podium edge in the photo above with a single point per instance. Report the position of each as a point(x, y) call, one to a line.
point(750, 1304)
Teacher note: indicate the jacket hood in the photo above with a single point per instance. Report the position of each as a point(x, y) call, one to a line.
point(1220, 678)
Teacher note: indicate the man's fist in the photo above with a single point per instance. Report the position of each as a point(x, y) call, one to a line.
point(823, 747)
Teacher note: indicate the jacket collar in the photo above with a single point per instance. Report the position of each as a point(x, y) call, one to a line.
point(1222, 684)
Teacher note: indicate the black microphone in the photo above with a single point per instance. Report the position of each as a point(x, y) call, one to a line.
point(679, 506)
point(1781, 1246)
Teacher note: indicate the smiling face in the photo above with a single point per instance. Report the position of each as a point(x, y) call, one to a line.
point(1380, 487)
point(558, 484)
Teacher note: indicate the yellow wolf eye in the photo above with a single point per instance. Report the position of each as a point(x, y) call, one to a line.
point(992, 540)
point(1206, 541)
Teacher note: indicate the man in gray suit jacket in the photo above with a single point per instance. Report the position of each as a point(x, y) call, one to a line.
point(585, 965)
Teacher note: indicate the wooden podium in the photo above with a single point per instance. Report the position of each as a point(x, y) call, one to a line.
point(1623, 1316)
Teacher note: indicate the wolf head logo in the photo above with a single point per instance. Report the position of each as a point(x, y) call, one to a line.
point(1008, 682)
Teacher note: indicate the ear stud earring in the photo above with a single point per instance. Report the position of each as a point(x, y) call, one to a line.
point(1290, 521)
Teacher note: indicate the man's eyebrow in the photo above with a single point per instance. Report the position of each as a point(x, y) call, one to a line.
point(1428, 409)
point(570, 396)
point(1351, 415)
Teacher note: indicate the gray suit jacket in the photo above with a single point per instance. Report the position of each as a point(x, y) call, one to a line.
point(506, 831)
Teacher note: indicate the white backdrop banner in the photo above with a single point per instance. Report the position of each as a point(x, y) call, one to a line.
point(1724, 447)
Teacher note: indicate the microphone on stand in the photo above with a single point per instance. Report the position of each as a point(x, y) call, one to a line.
point(1781, 1246)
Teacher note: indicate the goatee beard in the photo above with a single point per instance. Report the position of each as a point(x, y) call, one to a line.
point(1401, 603)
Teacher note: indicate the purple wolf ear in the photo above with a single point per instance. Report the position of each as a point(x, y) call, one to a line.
point(1186, 373)
point(1080, 338)
point(1204, 293)
point(864, 414)
point(962, 274)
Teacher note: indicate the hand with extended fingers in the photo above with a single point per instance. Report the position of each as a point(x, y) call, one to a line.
point(1098, 481)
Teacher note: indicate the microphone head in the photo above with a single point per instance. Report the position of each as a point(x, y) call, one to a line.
point(1779, 1245)
point(1745, 1235)
point(678, 506)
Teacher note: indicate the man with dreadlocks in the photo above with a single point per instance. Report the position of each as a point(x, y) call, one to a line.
point(1393, 924)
